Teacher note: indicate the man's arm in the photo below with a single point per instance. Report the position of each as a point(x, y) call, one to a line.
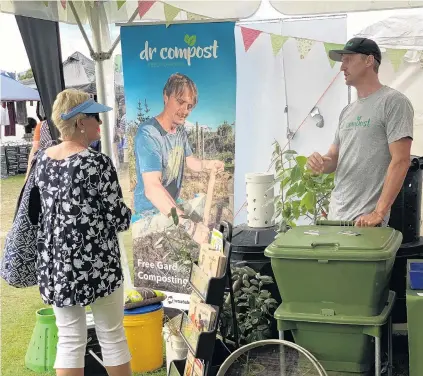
point(198, 165)
point(331, 159)
point(397, 170)
point(195, 164)
point(324, 164)
point(157, 194)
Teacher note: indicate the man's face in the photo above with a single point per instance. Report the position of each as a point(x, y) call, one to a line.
point(354, 67)
point(179, 108)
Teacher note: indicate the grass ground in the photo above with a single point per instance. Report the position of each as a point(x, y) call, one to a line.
point(18, 306)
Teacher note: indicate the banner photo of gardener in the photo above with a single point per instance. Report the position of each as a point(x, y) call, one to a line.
point(180, 94)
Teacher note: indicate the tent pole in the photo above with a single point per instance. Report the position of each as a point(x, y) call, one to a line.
point(81, 29)
point(99, 59)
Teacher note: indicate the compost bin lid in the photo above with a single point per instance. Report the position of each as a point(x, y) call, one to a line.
point(336, 243)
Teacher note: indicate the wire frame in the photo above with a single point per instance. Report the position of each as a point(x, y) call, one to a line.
point(238, 356)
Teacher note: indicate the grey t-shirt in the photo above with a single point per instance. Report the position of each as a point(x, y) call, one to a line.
point(366, 128)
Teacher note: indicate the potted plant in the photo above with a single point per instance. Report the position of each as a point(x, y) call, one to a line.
point(300, 193)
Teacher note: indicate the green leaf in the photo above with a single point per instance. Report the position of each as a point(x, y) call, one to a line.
point(295, 174)
point(292, 190)
point(309, 201)
point(301, 160)
point(174, 216)
point(190, 39)
point(289, 152)
point(301, 189)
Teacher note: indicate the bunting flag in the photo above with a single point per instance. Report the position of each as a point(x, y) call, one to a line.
point(63, 2)
point(304, 46)
point(170, 13)
point(196, 17)
point(249, 36)
point(120, 3)
point(144, 6)
point(332, 46)
point(396, 57)
point(277, 42)
point(45, 3)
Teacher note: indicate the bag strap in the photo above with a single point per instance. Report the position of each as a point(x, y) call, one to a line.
point(31, 171)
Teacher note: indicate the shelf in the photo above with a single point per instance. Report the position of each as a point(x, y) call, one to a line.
point(221, 352)
point(210, 290)
point(201, 344)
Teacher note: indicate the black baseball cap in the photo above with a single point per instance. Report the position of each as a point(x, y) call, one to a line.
point(358, 46)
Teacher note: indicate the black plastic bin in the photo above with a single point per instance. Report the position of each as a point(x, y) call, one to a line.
point(406, 210)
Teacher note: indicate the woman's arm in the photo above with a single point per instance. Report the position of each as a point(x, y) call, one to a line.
point(118, 215)
point(35, 147)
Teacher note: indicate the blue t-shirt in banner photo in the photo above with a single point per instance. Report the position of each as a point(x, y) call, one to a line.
point(158, 150)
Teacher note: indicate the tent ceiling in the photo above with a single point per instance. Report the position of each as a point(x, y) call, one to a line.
point(397, 31)
point(217, 9)
point(300, 7)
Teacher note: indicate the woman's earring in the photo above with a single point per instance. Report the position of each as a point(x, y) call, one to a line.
point(82, 131)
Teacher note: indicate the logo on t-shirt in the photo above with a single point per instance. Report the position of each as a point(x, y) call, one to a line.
point(358, 123)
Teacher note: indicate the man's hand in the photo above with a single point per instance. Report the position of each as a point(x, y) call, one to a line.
point(317, 163)
point(369, 220)
point(219, 166)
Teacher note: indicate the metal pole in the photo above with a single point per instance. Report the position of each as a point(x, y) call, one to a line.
point(100, 84)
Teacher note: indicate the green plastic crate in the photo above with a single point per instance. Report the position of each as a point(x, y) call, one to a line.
point(335, 270)
point(414, 300)
point(340, 343)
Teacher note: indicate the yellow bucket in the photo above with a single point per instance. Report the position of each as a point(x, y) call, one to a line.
point(143, 328)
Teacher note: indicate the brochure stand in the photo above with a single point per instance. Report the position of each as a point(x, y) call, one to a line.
point(205, 345)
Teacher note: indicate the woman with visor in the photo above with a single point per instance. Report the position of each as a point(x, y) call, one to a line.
point(78, 252)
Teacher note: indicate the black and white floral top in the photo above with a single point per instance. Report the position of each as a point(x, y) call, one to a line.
point(82, 212)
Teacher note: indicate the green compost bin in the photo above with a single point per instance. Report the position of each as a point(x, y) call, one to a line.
point(333, 269)
point(414, 301)
point(342, 344)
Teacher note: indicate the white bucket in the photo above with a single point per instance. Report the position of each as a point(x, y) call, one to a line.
point(176, 348)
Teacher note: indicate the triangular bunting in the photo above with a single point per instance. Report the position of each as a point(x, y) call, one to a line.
point(332, 46)
point(249, 36)
point(144, 6)
point(45, 3)
point(396, 57)
point(304, 46)
point(120, 3)
point(170, 13)
point(196, 17)
point(277, 42)
point(63, 2)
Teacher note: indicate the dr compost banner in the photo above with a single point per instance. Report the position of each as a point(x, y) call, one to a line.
point(180, 95)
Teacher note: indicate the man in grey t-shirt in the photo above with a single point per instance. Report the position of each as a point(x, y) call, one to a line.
point(371, 149)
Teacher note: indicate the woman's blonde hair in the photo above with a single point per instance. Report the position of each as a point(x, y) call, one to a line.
point(64, 102)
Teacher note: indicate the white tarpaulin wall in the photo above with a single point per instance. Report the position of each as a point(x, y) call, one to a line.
point(267, 82)
point(405, 34)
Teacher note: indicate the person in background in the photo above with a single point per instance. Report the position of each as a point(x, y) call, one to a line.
point(79, 256)
point(42, 138)
point(370, 154)
point(31, 124)
point(162, 151)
